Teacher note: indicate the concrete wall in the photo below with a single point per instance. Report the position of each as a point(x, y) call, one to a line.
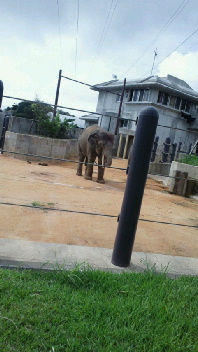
point(56, 148)
point(192, 172)
point(159, 168)
point(21, 125)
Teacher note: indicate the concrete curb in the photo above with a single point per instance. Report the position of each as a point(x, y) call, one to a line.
point(50, 256)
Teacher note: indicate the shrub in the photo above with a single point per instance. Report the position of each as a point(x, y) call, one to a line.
point(189, 159)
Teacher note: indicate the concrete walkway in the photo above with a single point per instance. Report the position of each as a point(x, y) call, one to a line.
point(37, 255)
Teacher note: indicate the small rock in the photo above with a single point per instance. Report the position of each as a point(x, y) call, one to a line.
point(43, 164)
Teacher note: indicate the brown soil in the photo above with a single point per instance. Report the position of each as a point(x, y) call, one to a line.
point(57, 186)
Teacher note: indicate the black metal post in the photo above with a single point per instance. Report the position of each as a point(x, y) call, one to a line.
point(165, 153)
point(138, 169)
point(1, 92)
point(120, 107)
point(179, 149)
point(154, 151)
point(172, 154)
point(57, 93)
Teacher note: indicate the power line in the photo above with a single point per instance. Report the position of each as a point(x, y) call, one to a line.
point(105, 34)
point(60, 42)
point(103, 31)
point(94, 214)
point(78, 8)
point(57, 106)
point(95, 164)
point(190, 48)
point(172, 18)
point(176, 48)
point(90, 112)
point(87, 111)
point(89, 85)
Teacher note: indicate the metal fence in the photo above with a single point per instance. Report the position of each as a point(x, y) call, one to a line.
point(135, 182)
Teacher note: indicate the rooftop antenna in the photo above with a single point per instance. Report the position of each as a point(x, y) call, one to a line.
point(155, 54)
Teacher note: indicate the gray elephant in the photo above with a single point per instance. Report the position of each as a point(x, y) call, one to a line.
point(95, 142)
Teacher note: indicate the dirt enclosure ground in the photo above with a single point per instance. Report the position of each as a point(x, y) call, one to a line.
point(57, 186)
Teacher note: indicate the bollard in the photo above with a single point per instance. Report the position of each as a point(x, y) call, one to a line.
point(138, 169)
point(166, 151)
point(1, 92)
point(172, 154)
point(154, 151)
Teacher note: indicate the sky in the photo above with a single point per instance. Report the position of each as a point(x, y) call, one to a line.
point(90, 41)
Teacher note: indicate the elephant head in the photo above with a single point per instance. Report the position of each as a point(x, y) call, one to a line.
point(102, 142)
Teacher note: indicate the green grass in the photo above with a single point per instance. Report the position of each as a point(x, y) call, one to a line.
point(37, 204)
point(190, 159)
point(93, 311)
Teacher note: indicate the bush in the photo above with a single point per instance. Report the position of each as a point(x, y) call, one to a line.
point(55, 128)
point(46, 126)
point(189, 159)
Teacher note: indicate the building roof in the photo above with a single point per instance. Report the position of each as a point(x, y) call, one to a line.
point(169, 83)
point(90, 117)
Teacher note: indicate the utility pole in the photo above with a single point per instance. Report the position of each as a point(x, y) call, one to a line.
point(155, 54)
point(120, 107)
point(57, 93)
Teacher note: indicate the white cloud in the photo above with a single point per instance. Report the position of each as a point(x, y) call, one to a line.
point(183, 66)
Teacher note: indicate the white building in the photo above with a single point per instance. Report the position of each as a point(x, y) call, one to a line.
point(175, 100)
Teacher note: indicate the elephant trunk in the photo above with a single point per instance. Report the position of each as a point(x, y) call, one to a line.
point(107, 160)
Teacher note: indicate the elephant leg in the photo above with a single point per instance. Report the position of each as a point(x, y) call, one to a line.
point(101, 169)
point(86, 161)
point(89, 168)
point(80, 165)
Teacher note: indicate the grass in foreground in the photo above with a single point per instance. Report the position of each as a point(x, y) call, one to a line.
point(190, 159)
point(69, 311)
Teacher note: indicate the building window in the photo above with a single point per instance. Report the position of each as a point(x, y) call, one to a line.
point(177, 103)
point(146, 95)
point(118, 96)
point(183, 104)
point(139, 95)
point(174, 102)
point(124, 123)
point(188, 105)
point(136, 95)
point(163, 98)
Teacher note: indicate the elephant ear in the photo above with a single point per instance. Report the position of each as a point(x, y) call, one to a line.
point(93, 138)
point(111, 135)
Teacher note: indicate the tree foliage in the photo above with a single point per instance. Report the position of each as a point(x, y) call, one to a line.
point(42, 114)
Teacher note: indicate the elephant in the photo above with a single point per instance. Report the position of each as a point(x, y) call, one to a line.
point(95, 142)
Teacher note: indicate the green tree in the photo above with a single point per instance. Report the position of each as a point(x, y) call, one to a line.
point(23, 109)
point(42, 114)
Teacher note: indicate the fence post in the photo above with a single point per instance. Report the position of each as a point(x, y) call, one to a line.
point(120, 107)
point(178, 150)
point(138, 169)
point(189, 148)
point(155, 145)
point(57, 93)
point(173, 151)
point(165, 153)
point(1, 92)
